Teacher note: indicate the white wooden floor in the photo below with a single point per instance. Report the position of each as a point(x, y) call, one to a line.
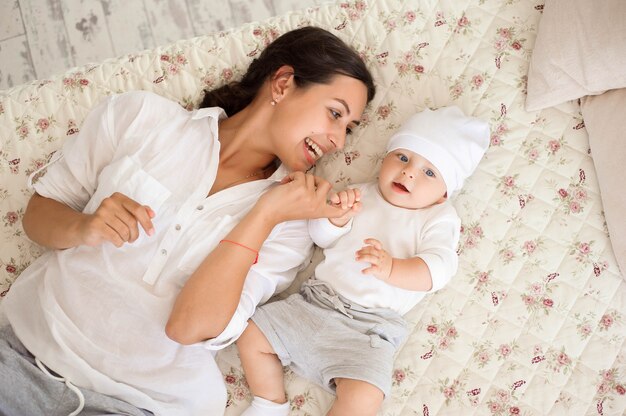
point(39, 38)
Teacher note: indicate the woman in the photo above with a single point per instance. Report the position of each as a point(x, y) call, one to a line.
point(169, 230)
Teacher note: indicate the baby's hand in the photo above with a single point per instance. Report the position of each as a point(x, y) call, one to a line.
point(349, 201)
point(380, 261)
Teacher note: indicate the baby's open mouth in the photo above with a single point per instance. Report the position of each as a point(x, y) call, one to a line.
point(400, 187)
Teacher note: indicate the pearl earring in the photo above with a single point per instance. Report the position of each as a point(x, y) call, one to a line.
point(273, 102)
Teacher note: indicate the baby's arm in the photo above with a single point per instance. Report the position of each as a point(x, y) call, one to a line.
point(410, 274)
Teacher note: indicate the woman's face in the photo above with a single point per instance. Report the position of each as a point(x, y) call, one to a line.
point(312, 121)
point(409, 180)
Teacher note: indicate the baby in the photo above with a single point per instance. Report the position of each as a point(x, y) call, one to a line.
point(344, 327)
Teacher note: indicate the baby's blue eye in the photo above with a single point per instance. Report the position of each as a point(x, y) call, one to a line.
point(403, 158)
point(430, 173)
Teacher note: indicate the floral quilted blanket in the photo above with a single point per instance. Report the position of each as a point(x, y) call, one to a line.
point(534, 321)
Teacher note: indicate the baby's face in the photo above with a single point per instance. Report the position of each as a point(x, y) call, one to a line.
point(408, 180)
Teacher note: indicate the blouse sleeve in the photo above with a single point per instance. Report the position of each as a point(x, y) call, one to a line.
point(438, 249)
point(112, 127)
point(71, 176)
point(324, 233)
point(283, 254)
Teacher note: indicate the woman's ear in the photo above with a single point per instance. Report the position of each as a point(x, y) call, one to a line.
point(281, 82)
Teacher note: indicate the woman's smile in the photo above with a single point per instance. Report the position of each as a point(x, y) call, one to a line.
point(312, 151)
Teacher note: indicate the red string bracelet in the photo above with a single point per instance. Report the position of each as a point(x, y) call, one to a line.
point(256, 259)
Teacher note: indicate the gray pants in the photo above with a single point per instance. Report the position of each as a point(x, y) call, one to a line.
point(26, 391)
point(323, 336)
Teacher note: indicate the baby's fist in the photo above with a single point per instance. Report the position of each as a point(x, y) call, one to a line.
point(348, 200)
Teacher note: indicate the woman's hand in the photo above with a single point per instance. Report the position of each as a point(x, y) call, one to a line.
point(117, 221)
point(55, 225)
point(299, 196)
point(380, 261)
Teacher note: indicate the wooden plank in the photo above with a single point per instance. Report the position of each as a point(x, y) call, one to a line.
point(64, 33)
point(128, 26)
point(209, 19)
point(245, 11)
point(45, 30)
point(169, 20)
point(16, 65)
point(87, 31)
point(282, 7)
point(10, 19)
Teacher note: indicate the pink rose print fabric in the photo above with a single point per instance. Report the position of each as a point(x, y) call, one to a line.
point(533, 323)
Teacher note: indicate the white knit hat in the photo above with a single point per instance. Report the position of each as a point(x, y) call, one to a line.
point(453, 142)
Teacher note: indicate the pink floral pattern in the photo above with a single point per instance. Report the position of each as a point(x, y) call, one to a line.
point(573, 198)
point(265, 35)
point(440, 336)
point(354, 9)
point(486, 353)
point(611, 386)
point(76, 81)
point(238, 389)
point(538, 299)
point(399, 19)
point(410, 62)
point(384, 111)
point(453, 389)
point(558, 361)
point(502, 403)
point(401, 375)
point(499, 127)
point(507, 42)
point(471, 235)
point(537, 303)
point(171, 64)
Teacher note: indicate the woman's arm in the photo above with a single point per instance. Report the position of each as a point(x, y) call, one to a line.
point(210, 296)
point(53, 224)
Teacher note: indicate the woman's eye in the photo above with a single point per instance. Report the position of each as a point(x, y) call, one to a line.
point(348, 130)
point(335, 114)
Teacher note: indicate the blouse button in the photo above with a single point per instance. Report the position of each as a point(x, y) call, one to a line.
point(164, 252)
point(200, 207)
point(177, 227)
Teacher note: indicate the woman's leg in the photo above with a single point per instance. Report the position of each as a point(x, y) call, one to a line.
point(26, 390)
point(356, 397)
point(263, 369)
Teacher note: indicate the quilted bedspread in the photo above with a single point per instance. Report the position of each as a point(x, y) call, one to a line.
point(534, 321)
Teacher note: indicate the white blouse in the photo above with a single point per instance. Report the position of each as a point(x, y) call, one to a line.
point(96, 315)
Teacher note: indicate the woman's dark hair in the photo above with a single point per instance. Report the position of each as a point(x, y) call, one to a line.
point(316, 56)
